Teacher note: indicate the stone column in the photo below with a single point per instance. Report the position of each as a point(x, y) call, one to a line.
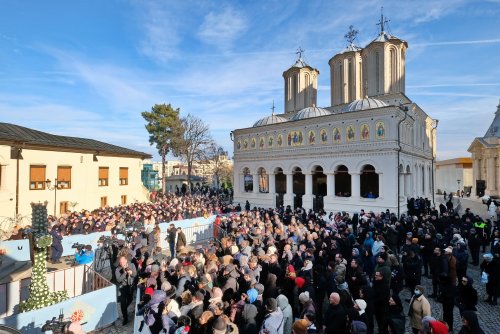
point(355, 184)
point(380, 185)
point(330, 184)
point(307, 199)
point(288, 198)
point(475, 175)
point(272, 184)
point(256, 182)
point(491, 172)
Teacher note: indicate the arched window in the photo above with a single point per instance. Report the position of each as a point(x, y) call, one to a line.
point(350, 80)
point(342, 182)
point(393, 67)
point(295, 88)
point(247, 180)
point(369, 187)
point(263, 181)
point(377, 71)
point(306, 91)
point(280, 181)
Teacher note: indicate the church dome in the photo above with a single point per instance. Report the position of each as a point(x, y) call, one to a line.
point(273, 119)
point(310, 112)
point(364, 104)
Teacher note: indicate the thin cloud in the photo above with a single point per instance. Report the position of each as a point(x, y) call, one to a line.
point(454, 85)
point(222, 28)
point(466, 42)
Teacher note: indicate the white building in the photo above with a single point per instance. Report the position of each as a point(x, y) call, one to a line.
point(88, 173)
point(486, 160)
point(454, 175)
point(372, 149)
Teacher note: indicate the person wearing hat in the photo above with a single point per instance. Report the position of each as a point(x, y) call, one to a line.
point(171, 233)
point(419, 308)
point(181, 240)
point(273, 320)
point(360, 314)
point(196, 309)
point(231, 275)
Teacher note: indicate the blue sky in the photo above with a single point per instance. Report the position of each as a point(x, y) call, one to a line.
point(89, 68)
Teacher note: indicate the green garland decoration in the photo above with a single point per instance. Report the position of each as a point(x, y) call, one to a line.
point(40, 296)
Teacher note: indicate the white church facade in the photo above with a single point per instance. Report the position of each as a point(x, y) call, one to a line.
point(372, 149)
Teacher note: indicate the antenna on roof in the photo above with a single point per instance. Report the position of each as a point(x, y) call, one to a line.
point(351, 35)
point(272, 108)
point(382, 21)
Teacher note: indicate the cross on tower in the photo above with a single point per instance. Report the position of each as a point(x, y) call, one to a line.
point(272, 108)
point(382, 21)
point(351, 35)
point(299, 52)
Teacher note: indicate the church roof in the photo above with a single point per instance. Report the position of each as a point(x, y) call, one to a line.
point(272, 119)
point(494, 129)
point(351, 48)
point(18, 134)
point(364, 104)
point(310, 112)
point(300, 63)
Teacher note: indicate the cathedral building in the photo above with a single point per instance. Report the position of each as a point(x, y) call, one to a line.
point(372, 149)
point(485, 160)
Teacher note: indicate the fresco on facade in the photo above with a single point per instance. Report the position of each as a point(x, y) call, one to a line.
point(261, 143)
point(336, 135)
point(253, 143)
point(270, 141)
point(280, 140)
point(295, 138)
point(312, 137)
point(245, 144)
point(323, 136)
point(238, 145)
point(380, 129)
point(365, 131)
point(350, 133)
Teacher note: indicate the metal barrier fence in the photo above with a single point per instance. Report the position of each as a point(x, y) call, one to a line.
point(76, 281)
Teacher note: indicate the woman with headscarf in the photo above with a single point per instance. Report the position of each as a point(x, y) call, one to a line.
point(470, 323)
point(396, 319)
point(286, 309)
point(491, 266)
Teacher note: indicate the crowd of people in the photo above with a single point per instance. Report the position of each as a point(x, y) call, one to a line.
point(281, 271)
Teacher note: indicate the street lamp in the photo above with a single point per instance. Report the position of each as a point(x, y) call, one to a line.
point(54, 187)
point(458, 191)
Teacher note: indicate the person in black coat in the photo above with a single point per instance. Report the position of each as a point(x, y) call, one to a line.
point(447, 299)
point(467, 295)
point(396, 319)
point(56, 248)
point(335, 316)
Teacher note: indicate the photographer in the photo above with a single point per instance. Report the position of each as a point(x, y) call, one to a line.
point(84, 255)
point(125, 275)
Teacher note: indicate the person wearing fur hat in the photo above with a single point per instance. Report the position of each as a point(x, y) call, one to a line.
point(307, 304)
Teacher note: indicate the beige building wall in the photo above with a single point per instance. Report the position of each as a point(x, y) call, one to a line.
point(454, 174)
point(85, 189)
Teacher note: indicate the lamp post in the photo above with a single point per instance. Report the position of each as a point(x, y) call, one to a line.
point(458, 191)
point(54, 187)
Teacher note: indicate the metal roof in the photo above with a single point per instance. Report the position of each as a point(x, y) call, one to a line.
point(364, 104)
point(310, 112)
point(494, 129)
point(35, 138)
point(272, 119)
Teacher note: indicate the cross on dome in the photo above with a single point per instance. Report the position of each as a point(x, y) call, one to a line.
point(382, 21)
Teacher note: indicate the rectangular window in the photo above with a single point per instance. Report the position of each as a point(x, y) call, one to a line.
point(123, 176)
point(124, 199)
point(104, 201)
point(37, 177)
point(103, 176)
point(63, 207)
point(64, 177)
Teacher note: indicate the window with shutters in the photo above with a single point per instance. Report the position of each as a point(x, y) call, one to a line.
point(64, 177)
point(103, 176)
point(63, 207)
point(124, 199)
point(104, 201)
point(123, 176)
point(37, 177)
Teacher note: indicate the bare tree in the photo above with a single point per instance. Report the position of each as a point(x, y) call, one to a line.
point(217, 158)
point(192, 147)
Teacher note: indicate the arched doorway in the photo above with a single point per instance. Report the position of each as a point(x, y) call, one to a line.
point(369, 185)
point(299, 186)
point(280, 184)
point(247, 180)
point(319, 188)
point(342, 182)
